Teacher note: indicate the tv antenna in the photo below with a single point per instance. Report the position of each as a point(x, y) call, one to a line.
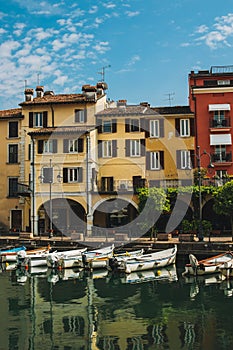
point(102, 73)
point(170, 97)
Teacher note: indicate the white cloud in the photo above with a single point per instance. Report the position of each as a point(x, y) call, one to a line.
point(93, 9)
point(2, 31)
point(133, 60)
point(132, 14)
point(7, 47)
point(202, 29)
point(102, 47)
point(109, 6)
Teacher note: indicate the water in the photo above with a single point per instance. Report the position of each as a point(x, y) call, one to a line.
point(75, 310)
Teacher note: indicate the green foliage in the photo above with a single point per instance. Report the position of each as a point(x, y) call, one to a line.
point(155, 198)
point(224, 199)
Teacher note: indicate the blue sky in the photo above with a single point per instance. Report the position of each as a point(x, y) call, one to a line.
point(150, 45)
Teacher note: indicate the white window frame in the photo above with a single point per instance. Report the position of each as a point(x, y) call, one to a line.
point(73, 175)
point(38, 119)
point(48, 146)
point(155, 160)
point(108, 125)
point(184, 127)
point(185, 159)
point(135, 148)
point(154, 128)
point(73, 146)
point(107, 149)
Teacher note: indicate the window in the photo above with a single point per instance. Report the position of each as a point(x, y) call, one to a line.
point(135, 148)
point(38, 119)
point(47, 146)
point(219, 118)
point(220, 153)
point(184, 127)
point(106, 126)
point(13, 129)
point(13, 154)
point(155, 160)
point(107, 149)
point(107, 184)
point(73, 146)
point(12, 187)
point(71, 175)
point(154, 128)
point(80, 116)
point(185, 159)
point(131, 125)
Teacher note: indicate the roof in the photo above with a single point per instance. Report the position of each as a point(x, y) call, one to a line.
point(125, 110)
point(61, 130)
point(58, 99)
point(11, 114)
point(173, 110)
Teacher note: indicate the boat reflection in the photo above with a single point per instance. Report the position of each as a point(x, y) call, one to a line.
point(22, 273)
point(167, 274)
point(196, 282)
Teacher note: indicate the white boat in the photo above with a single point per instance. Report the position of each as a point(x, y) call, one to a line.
point(98, 258)
point(116, 262)
point(62, 259)
point(31, 260)
point(150, 261)
point(168, 273)
point(206, 266)
point(227, 269)
point(10, 256)
point(70, 262)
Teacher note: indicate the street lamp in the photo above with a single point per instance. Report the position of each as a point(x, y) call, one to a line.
point(46, 176)
point(198, 156)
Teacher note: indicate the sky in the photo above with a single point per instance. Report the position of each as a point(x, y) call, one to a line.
point(146, 49)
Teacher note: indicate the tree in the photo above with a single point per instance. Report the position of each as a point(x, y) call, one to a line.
point(224, 202)
point(152, 202)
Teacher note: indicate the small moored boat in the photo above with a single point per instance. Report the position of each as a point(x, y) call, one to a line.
point(206, 266)
point(65, 259)
point(9, 255)
point(227, 269)
point(116, 262)
point(97, 258)
point(150, 261)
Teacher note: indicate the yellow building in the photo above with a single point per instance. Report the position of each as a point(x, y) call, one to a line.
point(10, 157)
point(82, 157)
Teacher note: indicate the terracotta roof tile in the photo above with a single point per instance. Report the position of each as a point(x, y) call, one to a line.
point(11, 113)
point(61, 130)
point(62, 98)
point(132, 110)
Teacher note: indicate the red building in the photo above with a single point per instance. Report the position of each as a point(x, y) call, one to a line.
point(211, 101)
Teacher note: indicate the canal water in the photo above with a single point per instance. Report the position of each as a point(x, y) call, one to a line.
point(73, 310)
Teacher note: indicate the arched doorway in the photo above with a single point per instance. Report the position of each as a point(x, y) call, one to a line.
point(114, 213)
point(67, 216)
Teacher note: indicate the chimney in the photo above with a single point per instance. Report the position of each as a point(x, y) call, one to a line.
point(28, 94)
point(145, 104)
point(39, 91)
point(121, 103)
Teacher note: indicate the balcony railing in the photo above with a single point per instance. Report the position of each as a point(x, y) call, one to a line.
point(120, 186)
point(221, 123)
point(221, 157)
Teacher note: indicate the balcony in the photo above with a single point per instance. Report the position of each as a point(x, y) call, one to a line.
point(221, 123)
point(108, 185)
point(221, 157)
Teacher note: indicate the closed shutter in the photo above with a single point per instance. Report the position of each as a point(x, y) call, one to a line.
point(80, 174)
point(127, 125)
point(80, 145)
point(114, 148)
point(114, 125)
point(99, 125)
point(30, 119)
point(147, 160)
point(100, 149)
point(177, 126)
point(45, 119)
point(65, 175)
point(192, 158)
point(178, 159)
point(143, 148)
point(54, 146)
point(161, 156)
point(161, 127)
point(40, 146)
point(127, 148)
point(65, 146)
point(192, 127)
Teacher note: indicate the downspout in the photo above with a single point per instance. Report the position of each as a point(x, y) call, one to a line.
point(33, 185)
point(51, 106)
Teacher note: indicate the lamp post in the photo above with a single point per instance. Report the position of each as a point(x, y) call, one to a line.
point(46, 176)
point(198, 156)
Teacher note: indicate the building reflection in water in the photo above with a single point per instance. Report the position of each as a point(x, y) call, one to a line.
point(72, 310)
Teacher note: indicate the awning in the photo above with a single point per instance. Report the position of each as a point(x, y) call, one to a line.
point(220, 107)
point(222, 139)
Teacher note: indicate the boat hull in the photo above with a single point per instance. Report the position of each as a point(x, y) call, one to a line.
point(151, 261)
